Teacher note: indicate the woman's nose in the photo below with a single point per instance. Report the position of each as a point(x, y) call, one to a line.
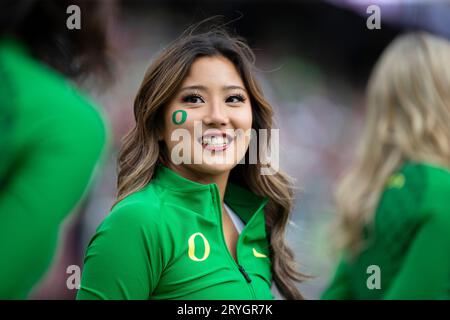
point(216, 115)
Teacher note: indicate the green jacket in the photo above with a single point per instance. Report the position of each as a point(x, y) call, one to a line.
point(51, 138)
point(409, 244)
point(166, 242)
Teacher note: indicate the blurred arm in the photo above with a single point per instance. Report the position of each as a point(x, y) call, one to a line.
point(53, 158)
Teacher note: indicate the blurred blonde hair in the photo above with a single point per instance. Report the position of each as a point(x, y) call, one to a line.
point(408, 101)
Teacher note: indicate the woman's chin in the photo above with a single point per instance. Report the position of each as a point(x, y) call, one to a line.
point(214, 167)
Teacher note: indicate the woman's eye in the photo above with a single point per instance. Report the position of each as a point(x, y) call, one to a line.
point(235, 99)
point(192, 98)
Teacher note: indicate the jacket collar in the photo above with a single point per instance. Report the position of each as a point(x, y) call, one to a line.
point(244, 202)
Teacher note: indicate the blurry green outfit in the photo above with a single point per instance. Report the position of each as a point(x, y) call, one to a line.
point(410, 241)
point(166, 242)
point(50, 141)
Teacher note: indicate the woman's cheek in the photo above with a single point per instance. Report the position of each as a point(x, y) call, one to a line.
point(245, 119)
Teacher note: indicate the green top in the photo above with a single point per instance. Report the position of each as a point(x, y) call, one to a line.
point(166, 242)
point(410, 242)
point(50, 139)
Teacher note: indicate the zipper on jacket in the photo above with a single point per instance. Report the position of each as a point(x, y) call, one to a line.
point(249, 280)
point(241, 269)
point(245, 274)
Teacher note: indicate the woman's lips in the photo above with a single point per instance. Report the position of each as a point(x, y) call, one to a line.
point(216, 140)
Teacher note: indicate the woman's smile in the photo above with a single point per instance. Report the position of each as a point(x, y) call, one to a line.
point(216, 140)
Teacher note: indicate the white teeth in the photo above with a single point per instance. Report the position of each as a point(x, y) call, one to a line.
point(215, 141)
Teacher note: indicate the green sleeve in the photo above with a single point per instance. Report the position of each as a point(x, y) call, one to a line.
point(425, 270)
point(47, 181)
point(339, 288)
point(55, 140)
point(123, 260)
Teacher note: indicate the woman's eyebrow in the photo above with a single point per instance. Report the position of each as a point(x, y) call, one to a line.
point(204, 88)
point(196, 87)
point(233, 88)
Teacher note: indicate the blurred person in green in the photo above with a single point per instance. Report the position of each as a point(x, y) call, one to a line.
point(394, 203)
point(51, 136)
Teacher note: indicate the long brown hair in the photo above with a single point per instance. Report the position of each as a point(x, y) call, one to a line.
point(141, 151)
point(408, 101)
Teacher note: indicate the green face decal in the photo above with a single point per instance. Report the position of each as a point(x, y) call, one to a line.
point(183, 116)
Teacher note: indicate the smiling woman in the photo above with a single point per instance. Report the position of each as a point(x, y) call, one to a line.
point(202, 229)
